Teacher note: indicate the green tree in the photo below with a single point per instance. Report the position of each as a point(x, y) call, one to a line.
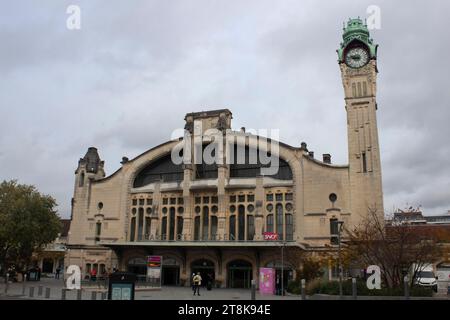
point(28, 221)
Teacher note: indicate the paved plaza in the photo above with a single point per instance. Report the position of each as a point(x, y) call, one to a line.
point(21, 291)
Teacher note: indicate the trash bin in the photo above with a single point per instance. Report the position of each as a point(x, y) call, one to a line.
point(33, 275)
point(121, 286)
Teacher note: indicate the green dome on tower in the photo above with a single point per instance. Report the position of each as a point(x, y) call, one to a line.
point(356, 30)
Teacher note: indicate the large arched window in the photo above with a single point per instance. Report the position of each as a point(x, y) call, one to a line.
point(132, 228)
point(164, 228)
point(289, 227)
point(197, 228)
point(241, 222)
point(172, 224)
point(233, 227)
point(213, 227)
point(179, 227)
point(250, 170)
point(250, 227)
point(81, 182)
point(269, 223)
point(205, 225)
point(279, 214)
point(140, 223)
point(162, 169)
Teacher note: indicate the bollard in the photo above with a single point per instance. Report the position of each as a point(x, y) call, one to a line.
point(40, 290)
point(79, 294)
point(253, 290)
point(94, 295)
point(354, 289)
point(31, 293)
point(47, 293)
point(406, 287)
point(303, 288)
point(63, 294)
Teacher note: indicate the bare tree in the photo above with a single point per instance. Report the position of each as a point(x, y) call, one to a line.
point(394, 247)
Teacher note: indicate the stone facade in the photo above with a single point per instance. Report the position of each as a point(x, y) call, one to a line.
point(215, 216)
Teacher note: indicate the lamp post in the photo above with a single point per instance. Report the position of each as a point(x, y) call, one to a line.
point(282, 267)
point(340, 227)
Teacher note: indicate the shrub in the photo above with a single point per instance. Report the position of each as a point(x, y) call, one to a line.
point(332, 288)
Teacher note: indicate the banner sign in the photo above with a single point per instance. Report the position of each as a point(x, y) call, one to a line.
point(266, 280)
point(270, 236)
point(154, 265)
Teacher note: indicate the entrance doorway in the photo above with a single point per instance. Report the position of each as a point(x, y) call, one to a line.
point(288, 274)
point(137, 266)
point(170, 272)
point(206, 269)
point(47, 265)
point(240, 274)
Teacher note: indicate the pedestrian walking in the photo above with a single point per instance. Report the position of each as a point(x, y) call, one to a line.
point(192, 281)
point(197, 283)
point(58, 270)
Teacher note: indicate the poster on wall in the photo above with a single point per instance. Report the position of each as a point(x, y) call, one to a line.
point(154, 265)
point(266, 281)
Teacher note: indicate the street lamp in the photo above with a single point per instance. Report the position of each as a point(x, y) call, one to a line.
point(340, 227)
point(282, 267)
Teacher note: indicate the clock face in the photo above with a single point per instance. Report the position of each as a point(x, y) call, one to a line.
point(356, 57)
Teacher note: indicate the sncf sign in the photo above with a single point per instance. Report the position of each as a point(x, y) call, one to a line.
point(270, 236)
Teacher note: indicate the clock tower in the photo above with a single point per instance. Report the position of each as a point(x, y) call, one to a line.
point(358, 63)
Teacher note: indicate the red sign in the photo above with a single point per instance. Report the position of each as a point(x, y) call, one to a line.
point(270, 236)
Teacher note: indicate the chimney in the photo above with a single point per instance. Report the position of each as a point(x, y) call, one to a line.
point(327, 158)
point(311, 154)
point(243, 129)
point(124, 160)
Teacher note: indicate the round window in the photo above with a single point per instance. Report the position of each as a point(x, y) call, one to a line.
point(250, 208)
point(100, 205)
point(269, 207)
point(197, 209)
point(133, 211)
point(214, 209)
point(149, 210)
point(180, 210)
point(288, 206)
point(333, 197)
point(232, 209)
point(164, 210)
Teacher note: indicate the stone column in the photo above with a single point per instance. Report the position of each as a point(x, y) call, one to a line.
point(222, 175)
point(156, 211)
point(187, 215)
point(259, 211)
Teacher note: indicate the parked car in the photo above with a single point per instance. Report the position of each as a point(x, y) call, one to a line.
point(425, 275)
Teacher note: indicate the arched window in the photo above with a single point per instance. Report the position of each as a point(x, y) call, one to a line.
point(162, 169)
point(164, 228)
point(354, 90)
point(148, 223)
point(213, 227)
point(205, 223)
point(197, 228)
point(233, 227)
point(179, 227)
point(289, 227)
point(172, 224)
point(132, 228)
point(269, 223)
point(250, 227)
point(279, 213)
point(81, 181)
point(140, 223)
point(241, 222)
point(249, 169)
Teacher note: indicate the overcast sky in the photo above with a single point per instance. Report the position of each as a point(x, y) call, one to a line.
point(125, 80)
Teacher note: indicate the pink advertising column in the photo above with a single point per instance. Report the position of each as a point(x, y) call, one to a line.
point(266, 281)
